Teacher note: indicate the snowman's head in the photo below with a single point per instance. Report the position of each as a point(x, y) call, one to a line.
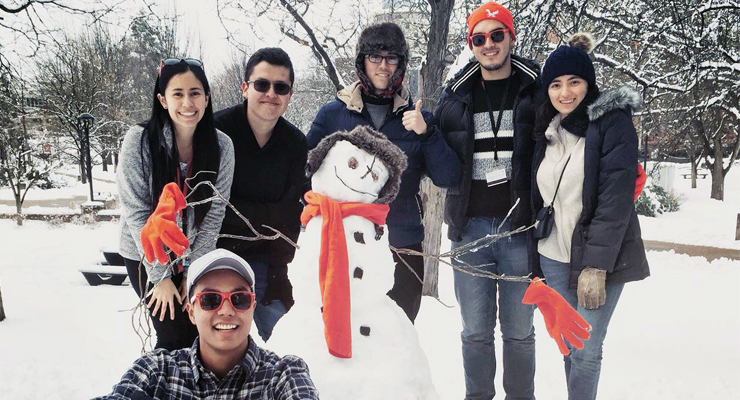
point(357, 166)
point(349, 173)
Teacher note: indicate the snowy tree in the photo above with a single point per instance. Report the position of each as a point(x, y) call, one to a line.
point(21, 167)
point(226, 86)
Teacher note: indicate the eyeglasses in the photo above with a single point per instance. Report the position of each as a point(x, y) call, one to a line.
point(263, 86)
point(497, 36)
point(391, 59)
point(172, 61)
point(240, 300)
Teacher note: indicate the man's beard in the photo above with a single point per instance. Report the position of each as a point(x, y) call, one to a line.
point(496, 67)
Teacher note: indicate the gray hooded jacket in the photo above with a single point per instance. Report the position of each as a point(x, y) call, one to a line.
point(134, 179)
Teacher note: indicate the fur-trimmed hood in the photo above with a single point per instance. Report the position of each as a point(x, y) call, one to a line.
point(374, 143)
point(351, 95)
point(594, 106)
point(621, 98)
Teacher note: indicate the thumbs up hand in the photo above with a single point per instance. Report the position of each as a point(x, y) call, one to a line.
point(414, 121)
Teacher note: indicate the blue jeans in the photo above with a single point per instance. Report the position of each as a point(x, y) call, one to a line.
point(582, 367)
point(265, 316)
point(477, 299)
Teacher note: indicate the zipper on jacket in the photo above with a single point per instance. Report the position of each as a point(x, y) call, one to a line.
point(418, 204)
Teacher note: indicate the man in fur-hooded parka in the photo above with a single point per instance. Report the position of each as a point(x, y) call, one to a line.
point(382, 108)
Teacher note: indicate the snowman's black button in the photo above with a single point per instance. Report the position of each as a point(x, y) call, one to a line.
point(359, 237)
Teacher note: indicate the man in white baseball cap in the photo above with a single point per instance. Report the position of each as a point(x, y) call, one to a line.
point(224, 359)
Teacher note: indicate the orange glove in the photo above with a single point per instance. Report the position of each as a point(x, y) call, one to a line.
point(161, 227)
point(561, 320)
point(640, 181)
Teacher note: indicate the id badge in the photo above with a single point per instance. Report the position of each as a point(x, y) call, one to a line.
point(497, 177)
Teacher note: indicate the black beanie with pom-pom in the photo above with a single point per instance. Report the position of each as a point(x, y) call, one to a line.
point(571, 59)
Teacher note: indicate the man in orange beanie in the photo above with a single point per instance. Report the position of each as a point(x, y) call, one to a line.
point(486, 115)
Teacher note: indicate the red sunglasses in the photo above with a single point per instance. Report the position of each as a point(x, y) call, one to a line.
point(497, 36)
point(240, 300)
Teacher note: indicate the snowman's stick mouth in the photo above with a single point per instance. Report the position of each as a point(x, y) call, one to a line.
point(336, 173)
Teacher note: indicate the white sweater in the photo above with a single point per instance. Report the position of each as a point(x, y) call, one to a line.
point(568, 203)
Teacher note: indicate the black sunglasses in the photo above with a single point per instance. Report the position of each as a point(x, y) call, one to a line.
point(172, 61)
point(377, 59)
point(263, 86)
point(240, 300)
point(497, 36)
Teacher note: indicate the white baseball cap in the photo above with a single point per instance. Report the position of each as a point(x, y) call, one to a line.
point(215, 260)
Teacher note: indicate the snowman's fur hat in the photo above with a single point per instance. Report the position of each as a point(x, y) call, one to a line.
point(372, 142)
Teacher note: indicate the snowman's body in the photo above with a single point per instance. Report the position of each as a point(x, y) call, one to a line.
point(387, 361)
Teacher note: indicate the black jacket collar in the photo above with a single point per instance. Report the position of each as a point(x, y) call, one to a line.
point(463, 82)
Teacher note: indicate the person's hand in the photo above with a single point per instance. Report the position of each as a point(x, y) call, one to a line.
point(592, 288)
point(161, 227)
point(162, 299)
point(561, 320)
point(414, 121)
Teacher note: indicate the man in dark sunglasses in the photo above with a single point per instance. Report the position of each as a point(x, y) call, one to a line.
point(486, 113)
point(268, 180)
point(224, 361)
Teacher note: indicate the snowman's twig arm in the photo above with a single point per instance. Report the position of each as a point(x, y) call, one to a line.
point(474, 270)
point(257, 235)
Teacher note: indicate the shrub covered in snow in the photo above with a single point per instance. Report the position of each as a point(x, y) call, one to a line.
point(655, 200)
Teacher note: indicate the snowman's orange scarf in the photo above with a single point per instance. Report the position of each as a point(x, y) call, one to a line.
point(334, 264)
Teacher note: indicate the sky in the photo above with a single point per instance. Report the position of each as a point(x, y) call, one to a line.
point(199, 20)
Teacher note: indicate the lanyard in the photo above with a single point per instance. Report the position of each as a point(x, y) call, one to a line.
point(495, 125)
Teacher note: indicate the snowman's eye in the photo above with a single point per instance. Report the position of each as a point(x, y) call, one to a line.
point(352, 163)
point(374, 175)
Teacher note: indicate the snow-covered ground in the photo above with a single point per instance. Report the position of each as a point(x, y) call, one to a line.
point(675, 335)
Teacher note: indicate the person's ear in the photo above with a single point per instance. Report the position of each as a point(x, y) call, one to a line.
point(245, 87)
point(162, 100)
point(189, 308)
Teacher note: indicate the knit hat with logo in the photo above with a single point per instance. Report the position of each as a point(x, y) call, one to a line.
point(493, 11)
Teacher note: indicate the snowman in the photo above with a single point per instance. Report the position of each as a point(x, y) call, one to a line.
point(356, 341)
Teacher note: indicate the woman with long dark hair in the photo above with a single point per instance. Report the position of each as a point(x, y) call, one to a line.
point(583, 181)
point(178, 144)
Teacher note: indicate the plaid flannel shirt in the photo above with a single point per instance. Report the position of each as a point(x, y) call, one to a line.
point(179, 375)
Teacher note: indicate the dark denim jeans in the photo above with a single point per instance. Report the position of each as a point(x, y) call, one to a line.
point(477, 299)
point(406, 291)
point(582, 367)
point(265, 316)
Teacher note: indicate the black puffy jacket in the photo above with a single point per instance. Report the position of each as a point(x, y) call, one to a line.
point(607, 235)
point(455, 115)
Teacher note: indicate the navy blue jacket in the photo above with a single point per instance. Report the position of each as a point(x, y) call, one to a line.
point(607, 235)
point(427, 154)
